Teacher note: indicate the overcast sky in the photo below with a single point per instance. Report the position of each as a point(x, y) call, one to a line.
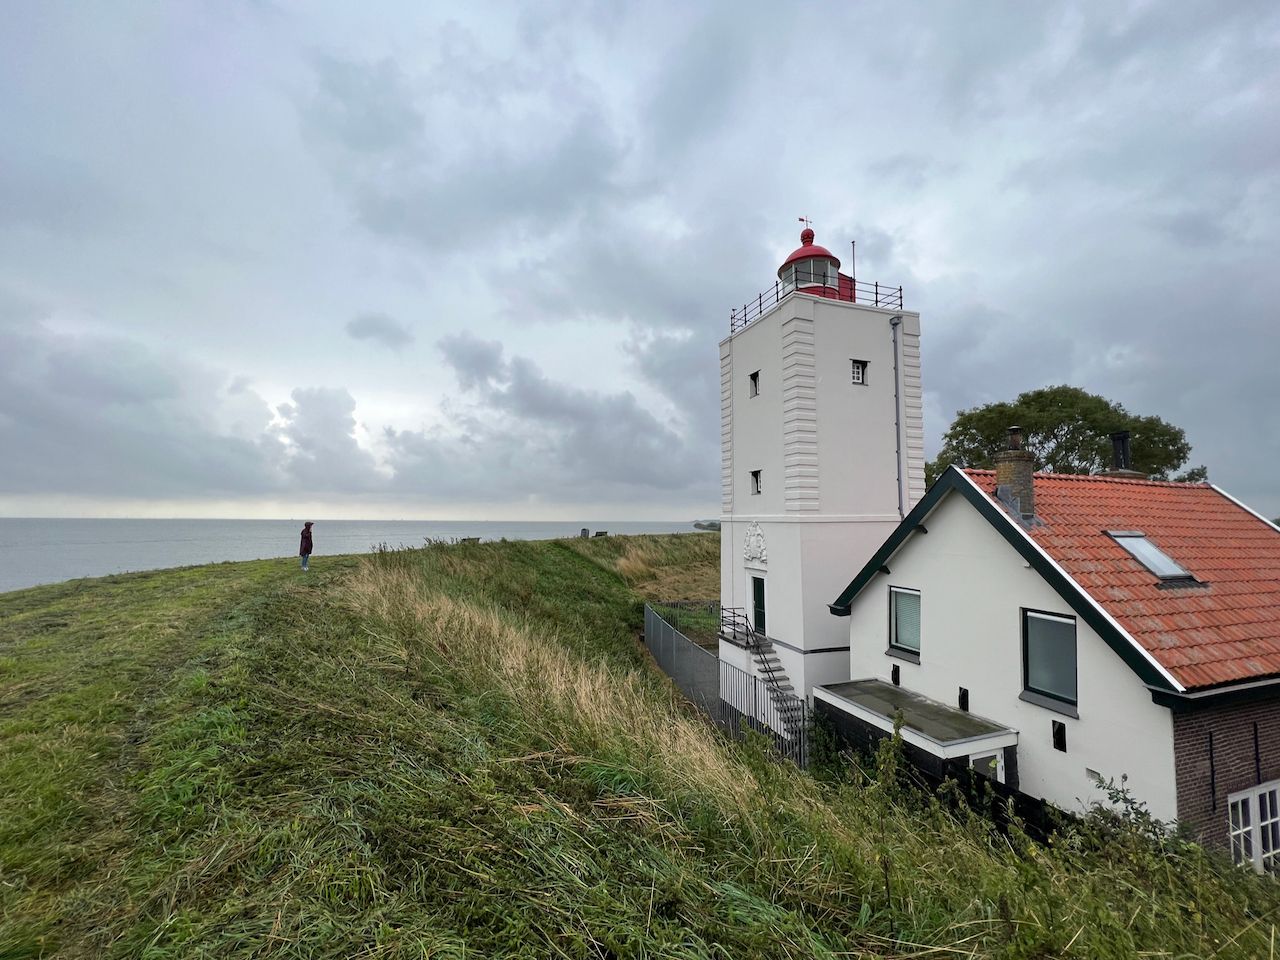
point(371, 260)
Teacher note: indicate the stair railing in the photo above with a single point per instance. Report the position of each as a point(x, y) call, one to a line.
point(737, 626)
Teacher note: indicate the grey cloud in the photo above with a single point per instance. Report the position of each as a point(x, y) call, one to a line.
point(380, 328)
point(365, 107)
point(1135, 41)
point(475, 362)
point(528, 185)
point(1193, 227)
point(535, 433)
point(626, 271)
point(442, 173)
point(1066, 193)
point(323, 453)
point(683, 365)
point(52, 192)
point(109, 371)
point(112, 418)
point(707, 75)
point(909, 171)
point(107, 418)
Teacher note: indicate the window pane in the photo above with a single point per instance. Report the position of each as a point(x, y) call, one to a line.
point(1051, 656)
point(988, 766)
point(1151, 557)
point(1269, 820)
point(906, 620)
point(1241, 848)
point(1240, 830)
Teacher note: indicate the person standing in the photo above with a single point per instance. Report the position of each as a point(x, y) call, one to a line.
point(304, 548)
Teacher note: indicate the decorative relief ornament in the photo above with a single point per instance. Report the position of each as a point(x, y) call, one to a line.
point(753, 551)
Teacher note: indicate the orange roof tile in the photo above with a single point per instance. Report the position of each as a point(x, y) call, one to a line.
point(1224, 632)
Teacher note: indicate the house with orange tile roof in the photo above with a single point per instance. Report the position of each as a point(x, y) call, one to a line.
point(1057, 632)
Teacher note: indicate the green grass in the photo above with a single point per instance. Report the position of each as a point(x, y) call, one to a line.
point(461, 752)
point(699, 622)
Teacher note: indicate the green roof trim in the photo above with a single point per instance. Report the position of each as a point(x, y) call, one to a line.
point(1074, 596)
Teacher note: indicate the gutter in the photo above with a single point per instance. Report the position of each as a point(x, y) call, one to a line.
point(1217, 696)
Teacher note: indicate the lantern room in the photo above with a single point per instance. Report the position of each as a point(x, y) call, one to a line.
point(810, 267)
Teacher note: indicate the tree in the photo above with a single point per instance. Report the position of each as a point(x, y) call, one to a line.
point(1068, 431)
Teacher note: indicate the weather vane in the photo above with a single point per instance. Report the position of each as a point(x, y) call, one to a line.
point(806, 221)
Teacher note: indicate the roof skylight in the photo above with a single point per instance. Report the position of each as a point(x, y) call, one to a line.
point(1149, 555)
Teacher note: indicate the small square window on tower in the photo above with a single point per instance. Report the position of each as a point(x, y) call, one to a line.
point(754, 383)
point(859, 371)
point(755, 481)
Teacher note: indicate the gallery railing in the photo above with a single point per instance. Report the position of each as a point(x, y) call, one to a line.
point(846, 289)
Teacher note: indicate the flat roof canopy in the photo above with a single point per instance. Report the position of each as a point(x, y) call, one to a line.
point(943, 731)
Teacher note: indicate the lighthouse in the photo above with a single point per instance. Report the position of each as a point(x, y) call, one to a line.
point(822, 453)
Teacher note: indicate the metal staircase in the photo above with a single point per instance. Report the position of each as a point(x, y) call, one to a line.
point(788, 706)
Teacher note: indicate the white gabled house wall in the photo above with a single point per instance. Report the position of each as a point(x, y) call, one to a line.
point(973, 586)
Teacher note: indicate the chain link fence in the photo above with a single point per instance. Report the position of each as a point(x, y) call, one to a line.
point(735, 700)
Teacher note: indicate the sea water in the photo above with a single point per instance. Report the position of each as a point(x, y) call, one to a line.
point(35, 551)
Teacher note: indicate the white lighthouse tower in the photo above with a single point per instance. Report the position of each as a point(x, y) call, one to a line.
point(822, 453)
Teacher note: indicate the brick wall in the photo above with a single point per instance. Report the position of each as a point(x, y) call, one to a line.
point(1236, 763)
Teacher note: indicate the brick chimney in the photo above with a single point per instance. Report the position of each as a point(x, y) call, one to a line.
point(1122, 459)
point(1014, 468)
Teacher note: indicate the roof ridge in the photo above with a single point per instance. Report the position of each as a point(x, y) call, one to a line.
point(1102, 478)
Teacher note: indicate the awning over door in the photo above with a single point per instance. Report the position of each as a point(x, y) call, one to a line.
point(943, 731)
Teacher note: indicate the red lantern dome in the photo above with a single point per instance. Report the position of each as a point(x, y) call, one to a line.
point(810, 268)
point(808, 250)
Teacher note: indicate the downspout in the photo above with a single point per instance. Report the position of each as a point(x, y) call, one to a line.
point(730, 527)
point(894, 324)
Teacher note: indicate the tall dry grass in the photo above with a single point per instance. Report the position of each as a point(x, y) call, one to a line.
point(582, 705)
point(682, 566)
point(866, 861)
point(458, 752)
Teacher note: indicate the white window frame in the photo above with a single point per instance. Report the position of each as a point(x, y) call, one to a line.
point(997, 755)
point(1254, 832)
point(753, 384)
point(859, 373)
point(757, 483)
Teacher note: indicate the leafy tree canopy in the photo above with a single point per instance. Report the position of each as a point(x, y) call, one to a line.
point(1068, 431)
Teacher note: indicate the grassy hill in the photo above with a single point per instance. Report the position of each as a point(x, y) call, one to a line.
point(461, 752)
